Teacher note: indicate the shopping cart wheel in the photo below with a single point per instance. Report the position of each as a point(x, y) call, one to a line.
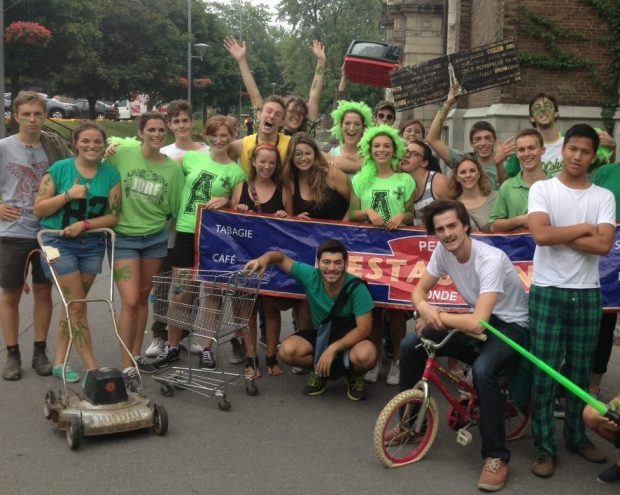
point(224, 404)
point(160, 420)
point(251, 389)
point(166, 390)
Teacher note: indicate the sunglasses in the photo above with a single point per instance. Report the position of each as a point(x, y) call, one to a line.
point(386, 116)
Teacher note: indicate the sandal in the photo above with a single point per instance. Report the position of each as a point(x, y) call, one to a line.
point(273, 367)
point(251, 368)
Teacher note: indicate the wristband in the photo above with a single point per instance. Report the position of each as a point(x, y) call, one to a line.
point(86, 225)
point(67, 196)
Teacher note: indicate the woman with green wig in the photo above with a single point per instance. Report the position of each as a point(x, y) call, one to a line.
point(383, 197)
point(351, 119)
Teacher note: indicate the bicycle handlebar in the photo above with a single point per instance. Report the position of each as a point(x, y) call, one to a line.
point(482, 337)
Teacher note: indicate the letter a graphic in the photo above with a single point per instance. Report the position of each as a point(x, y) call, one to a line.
point(380, 204)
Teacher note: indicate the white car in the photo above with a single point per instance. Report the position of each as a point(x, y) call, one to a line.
point(124, 110)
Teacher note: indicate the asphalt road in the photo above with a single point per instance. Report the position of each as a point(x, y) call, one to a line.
point(279, 442)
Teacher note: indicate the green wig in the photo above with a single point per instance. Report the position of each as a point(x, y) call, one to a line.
point(344, 107)
point(368, 172)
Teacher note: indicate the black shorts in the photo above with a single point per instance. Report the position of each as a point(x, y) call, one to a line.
point(13, 255)
point(183, 253)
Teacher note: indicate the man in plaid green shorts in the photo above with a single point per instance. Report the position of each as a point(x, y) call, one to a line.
point(573, 223)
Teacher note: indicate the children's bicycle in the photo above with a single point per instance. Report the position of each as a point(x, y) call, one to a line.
point(407, 425)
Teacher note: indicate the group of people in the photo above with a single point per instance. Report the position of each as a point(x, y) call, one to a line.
point(378, 175)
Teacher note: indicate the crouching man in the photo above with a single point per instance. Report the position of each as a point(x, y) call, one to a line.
point(333, 295)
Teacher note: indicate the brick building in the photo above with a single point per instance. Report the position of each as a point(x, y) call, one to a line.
point(569, 32)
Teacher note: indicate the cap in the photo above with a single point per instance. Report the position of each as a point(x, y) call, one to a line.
point(385, 104)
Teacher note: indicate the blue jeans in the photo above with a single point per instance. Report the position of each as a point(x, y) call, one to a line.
point(488, 365)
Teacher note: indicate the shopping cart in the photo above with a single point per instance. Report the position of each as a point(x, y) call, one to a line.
point(214, 305)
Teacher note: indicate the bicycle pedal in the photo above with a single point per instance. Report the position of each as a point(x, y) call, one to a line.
point(464, 437)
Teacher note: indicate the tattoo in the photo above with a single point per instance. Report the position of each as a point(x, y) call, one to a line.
point(319, 70)
point(44, 187)
point(122, 274)
point(115, 207)
point(79, 333)
point(63, 328)
point(66, 291)
point(441, 106)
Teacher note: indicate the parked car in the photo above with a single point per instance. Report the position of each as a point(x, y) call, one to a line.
point(55, 109)
point(102, 110)
point(124, 110)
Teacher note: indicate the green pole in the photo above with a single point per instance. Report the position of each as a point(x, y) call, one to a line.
point(602, 409)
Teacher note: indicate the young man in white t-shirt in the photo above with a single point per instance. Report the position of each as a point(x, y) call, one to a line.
point(573, 223)
point(485, 277)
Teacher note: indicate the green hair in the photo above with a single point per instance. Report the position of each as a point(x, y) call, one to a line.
point(368, 172)
point(344, 107)
point(126, 141)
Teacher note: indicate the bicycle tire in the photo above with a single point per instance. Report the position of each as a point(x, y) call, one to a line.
point(515, 420)
point(405, 449)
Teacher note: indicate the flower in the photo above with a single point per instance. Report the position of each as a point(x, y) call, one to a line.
point(196, 82)
point(27, 33)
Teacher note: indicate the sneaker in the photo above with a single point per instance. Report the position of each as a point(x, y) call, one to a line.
point(13, 367)
point(238, 352)
point(544, 466)
point(589, 452)
point(207, 360)
point(71, 376)
point(373, 375)
point(494, 475)
point(296, 370)
point(356, 387)
point(132, 380)
point(610, 475)
point(167, 356)
point(40, 362)
point(144, 366)
point(195, 348)
point(393, 377)
point(315, 386)
point(558, 408)
point(155, 348)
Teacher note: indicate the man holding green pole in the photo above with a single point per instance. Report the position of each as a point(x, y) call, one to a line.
point(573, 224)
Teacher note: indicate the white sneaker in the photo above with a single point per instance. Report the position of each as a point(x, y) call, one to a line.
point(373, 375)
point(195, 347)
point(393, 377)
point(155, 348)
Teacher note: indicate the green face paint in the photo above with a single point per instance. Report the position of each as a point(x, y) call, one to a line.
point(79, 333)
point(122, 274)
point(66, 291)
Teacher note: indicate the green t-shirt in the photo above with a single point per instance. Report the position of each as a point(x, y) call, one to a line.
point(490, 168)
point(359, 302)
point(387, 196)
point(64, 174)
point(151, 191)
point(204, 179)
point(511, 200)
point(608, 176)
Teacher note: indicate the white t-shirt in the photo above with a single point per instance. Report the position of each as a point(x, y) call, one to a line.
point(488, 269)
point(174, 152)
point(552, 157)
point(561, 266)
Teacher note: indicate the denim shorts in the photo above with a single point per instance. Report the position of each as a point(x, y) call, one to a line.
point(82, 254)
point(141, 246)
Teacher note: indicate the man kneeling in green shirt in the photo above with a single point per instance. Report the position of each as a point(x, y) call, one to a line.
point(345, 350)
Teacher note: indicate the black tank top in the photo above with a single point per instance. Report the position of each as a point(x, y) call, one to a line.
point(274, 204)
point(334, 208)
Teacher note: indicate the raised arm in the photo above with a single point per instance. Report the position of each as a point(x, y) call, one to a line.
point(433, 138)
point(317, 83)
point(342, 87)
point(239, 53)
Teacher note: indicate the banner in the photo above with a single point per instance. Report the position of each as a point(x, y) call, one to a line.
point(391, 262)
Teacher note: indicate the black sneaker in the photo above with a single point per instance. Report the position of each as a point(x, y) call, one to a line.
point(356, 387)
point(610, 475)
point(207, 360)
point(167, 356)
point(40, 362)
point(315, 386)
point(144, 366)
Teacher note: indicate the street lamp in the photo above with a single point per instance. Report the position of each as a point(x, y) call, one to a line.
point(200, 48)
point(273, 88)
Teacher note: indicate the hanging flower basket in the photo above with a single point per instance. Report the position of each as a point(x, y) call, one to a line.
point(27, 34)
point(201, 82)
